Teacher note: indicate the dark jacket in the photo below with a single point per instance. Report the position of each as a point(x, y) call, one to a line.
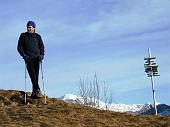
point(30, 44)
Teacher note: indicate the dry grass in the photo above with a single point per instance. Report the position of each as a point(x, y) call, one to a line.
point(14, 113)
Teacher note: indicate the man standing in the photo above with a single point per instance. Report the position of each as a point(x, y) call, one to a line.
point(31, 48)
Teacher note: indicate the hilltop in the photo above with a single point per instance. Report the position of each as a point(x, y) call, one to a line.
point(57, 113)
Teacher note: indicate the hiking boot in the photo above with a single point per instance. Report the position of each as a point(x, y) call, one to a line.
point(39, 93)
point(33, 95)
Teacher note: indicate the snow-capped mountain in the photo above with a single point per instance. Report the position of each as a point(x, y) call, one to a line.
point(133, 108)
point(70, 98)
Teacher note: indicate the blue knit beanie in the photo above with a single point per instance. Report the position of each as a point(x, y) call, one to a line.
point(31, 23)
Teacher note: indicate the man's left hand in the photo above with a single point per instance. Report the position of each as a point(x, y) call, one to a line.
point(41, 57)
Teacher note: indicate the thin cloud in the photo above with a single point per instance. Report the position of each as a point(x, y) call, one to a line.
point(110, 37)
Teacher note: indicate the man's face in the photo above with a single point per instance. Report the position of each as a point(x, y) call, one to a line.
point(30, 29)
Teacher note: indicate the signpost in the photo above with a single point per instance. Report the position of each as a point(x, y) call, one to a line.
point(152, 70)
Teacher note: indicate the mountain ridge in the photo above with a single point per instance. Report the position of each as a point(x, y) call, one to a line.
point(163, 109)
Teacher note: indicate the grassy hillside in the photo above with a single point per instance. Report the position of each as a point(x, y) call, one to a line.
point(14, 113)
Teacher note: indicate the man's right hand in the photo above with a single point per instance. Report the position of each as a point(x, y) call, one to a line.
point(26, 58)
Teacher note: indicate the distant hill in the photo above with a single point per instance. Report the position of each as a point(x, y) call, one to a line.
point(162, 109)
point(57, 113)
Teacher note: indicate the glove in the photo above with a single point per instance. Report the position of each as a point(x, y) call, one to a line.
point(41, 57)
point(26, 58)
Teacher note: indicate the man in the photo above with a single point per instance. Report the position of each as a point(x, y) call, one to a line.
point(31, 48)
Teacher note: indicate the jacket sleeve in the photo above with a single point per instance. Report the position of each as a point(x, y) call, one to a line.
point(41, 46)
point(20, 46)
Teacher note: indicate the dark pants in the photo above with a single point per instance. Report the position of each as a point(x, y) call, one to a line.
point(33, 70)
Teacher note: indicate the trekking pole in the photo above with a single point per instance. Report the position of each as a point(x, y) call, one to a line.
point(45, 100)
point(25, 96)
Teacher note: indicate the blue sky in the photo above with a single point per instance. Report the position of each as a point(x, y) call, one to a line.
point(84, 37)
